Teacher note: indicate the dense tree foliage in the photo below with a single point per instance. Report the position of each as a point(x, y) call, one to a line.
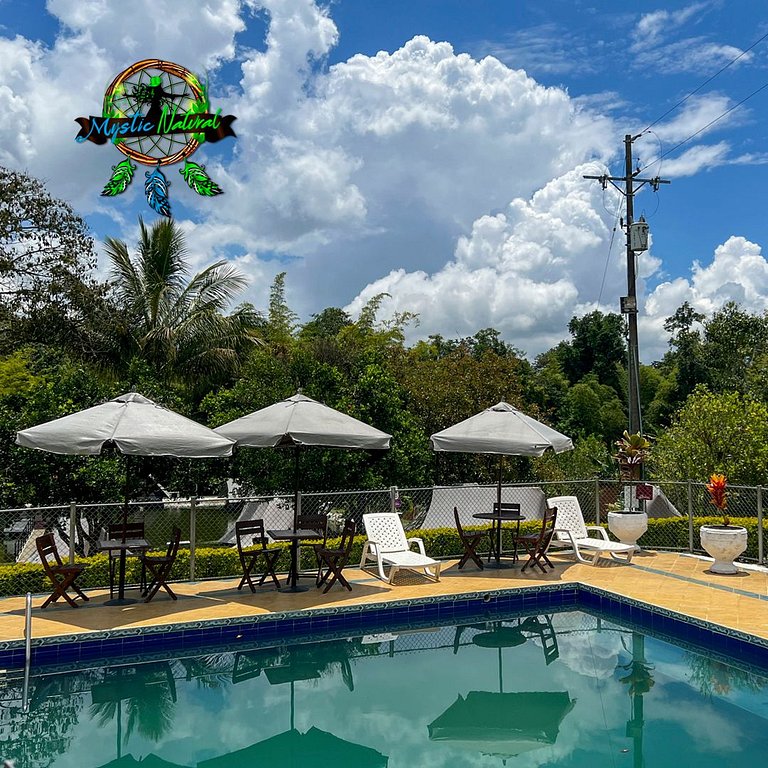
point(69, 341)
point(723, 432)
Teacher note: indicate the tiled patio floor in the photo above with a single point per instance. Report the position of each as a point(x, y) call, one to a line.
point(673, 581)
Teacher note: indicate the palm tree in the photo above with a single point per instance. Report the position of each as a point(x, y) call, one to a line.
point(175, 324)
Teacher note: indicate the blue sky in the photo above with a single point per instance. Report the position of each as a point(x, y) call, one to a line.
point(432, 149)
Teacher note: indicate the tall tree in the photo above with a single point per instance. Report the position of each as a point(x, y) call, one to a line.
point(597, 347)
point(46, 258)
point(685, 354)
point(733, 341)
point(177, 324)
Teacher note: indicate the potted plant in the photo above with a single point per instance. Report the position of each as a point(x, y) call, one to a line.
point(628, 522)
point(723, 542)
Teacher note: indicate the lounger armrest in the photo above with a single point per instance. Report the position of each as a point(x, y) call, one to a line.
point(600, 530)
point(567, 533)
point(373, 546)
point(419, 543)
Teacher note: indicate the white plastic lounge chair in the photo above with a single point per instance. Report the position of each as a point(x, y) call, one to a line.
point(387, 545)
point(571, 531)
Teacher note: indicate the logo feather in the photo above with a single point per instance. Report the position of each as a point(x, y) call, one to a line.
point(156, 190)
point(199, 180)
point(122, 176)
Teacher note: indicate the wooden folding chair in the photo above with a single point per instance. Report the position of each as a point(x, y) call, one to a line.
point(537, 544)
point(470, 540)
point(159, 567)
point(249, 557)
point(133, 530)
point(333, 560)
point(62, 575)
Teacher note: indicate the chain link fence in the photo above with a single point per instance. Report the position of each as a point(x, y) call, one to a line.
point(675, 510)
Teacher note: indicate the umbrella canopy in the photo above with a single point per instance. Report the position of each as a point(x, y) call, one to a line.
point(302, 421)
point(293, 749)
point(504, 724)
point(136, 425)
point(501, 429)
point(148, 761)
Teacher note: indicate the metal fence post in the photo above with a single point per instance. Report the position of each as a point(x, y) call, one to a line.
point(760, 524)
point(393, 498)
point(72, 530)
point(597, 501)
point(690, 516)
point(192, 536)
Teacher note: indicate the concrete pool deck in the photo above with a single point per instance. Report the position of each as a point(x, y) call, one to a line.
point(677, 582)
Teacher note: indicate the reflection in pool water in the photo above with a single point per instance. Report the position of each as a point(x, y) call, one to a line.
point(565, 689)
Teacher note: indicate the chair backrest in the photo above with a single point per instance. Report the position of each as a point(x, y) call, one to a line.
point(506, 507)
point(133, 530)
point(386, 529)
point(46, 548)
point(173, 544)
point(548, 525)
point(459, 529)
point(318, 523)
point(250, 528)
point(569, 516)
point(347, 536)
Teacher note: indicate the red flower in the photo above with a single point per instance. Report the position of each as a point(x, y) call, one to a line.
point(716, 488)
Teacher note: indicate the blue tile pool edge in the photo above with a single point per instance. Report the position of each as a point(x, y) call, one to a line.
point(308, 625)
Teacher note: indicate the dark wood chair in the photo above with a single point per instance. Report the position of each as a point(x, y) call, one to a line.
point(332, 561)
point(506, 508)
point(537, 544)
point(252, 547)
point(62, 575)
point(319, 524)
point(159, 567)
point(470, 540)
point(133, 530)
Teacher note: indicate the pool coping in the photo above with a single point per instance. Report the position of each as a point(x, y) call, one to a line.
point(69, 651)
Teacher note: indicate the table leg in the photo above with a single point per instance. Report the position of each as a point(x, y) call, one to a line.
point(121, 599)
point(291, 584)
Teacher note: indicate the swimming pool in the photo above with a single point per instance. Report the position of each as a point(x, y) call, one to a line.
point(561, 687)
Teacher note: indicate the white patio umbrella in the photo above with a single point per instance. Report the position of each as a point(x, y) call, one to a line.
point(502, 430)
point(300, 421)
point(136, 426)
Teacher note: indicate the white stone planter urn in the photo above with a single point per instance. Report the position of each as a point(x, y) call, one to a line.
point(627, 526)
point(725, 543)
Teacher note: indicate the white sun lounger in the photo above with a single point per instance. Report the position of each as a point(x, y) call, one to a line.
point(571, 531)
point(387, 545)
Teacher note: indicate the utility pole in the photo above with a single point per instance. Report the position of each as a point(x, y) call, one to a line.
point(629, 302)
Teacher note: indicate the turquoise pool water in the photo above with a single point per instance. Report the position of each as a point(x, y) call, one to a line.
point(562, 689)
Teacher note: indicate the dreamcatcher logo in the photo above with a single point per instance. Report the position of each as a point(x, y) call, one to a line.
point(157, 113)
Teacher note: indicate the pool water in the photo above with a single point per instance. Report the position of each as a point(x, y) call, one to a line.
point(563, 689)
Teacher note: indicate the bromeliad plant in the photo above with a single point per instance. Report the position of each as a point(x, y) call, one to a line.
point(718, 494)
point(632, 452)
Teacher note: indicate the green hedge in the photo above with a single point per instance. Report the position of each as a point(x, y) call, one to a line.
point(215, 562)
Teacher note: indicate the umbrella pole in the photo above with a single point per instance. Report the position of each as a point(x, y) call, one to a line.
point(121, 599)
point(296, 489)
point(498, 485)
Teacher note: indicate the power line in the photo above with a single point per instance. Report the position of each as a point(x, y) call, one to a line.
point(706, 82)
point(619, 206)
point(704, 128)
